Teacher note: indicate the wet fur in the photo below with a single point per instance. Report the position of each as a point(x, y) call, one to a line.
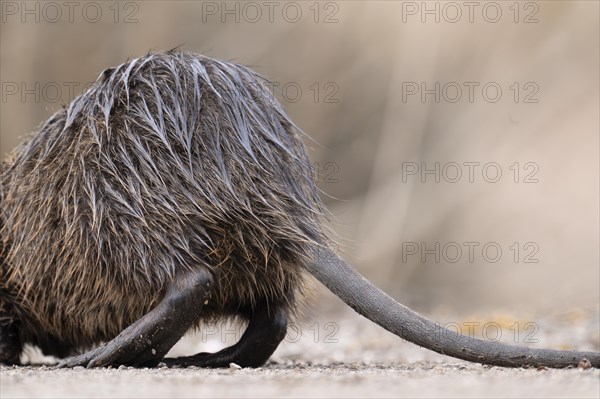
point(172, 174)
point(169, 162)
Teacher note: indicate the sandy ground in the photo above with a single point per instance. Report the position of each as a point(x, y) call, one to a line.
point(348, 357)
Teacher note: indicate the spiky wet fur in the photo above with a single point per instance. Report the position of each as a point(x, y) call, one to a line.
point(169, 162)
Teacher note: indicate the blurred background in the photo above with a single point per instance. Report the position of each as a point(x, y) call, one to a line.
point(458, 144)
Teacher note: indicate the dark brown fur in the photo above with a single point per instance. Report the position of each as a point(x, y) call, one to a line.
point(168, 162)
point(176, 190)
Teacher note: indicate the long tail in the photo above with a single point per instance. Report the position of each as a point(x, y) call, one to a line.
point(377, 306)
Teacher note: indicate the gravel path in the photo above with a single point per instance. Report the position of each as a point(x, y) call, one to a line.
point(349, 358)
point(276, 380)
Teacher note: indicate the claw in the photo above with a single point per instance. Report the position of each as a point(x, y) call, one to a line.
point(80, 360)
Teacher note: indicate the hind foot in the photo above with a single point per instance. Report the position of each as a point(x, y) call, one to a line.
point(266, 330)
point(145, 342)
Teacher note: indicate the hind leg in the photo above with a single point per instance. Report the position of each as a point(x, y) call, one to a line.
point(266, 329)
point(10, 343)
point(145, 342)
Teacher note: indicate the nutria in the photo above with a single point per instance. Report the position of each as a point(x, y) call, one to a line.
point(174, 191)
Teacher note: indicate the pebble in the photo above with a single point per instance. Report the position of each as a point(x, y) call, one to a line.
point(584, 364)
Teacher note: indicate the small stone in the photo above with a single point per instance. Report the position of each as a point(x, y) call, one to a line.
point(154, 351)
point(122, 367)
point(584, 364)
point(235, 366)
point(206, 301)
